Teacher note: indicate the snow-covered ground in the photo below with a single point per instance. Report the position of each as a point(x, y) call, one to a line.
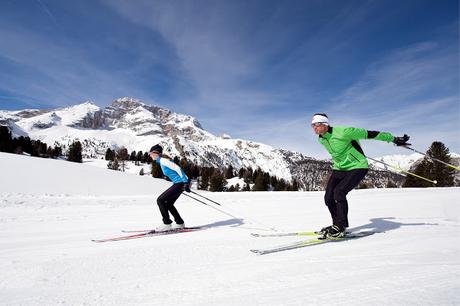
point(130, 166)
point(50, 210)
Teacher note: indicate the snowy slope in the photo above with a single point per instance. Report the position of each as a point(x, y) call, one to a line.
point(50, 210)
point(133, 124)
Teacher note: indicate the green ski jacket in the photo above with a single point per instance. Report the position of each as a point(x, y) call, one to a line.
point(343, 144)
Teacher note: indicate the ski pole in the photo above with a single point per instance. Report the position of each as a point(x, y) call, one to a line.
point(224, 212)
point(228, 214)
point(205, 197)
point(432, 158)
point(404, 171)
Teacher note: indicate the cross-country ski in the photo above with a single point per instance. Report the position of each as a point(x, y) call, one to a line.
point(149, 233)
point(310, 242)
point(315, 233)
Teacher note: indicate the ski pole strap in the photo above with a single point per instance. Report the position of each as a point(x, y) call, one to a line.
point(432, 158)
point(205, 197)
point(404, 171)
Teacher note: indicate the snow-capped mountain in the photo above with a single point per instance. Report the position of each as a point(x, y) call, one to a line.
point(404, 162)
point(133, 124)
point(407, 162)
point(410, 162)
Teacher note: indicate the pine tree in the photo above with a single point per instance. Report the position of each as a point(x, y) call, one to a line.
point(139, 157)
point(6, 139)
point(43, 149)
point(205, 175)
point(295, 185)
point(57, 151)
point(229, 172)
point(433, 170)
point(281, 185)
point(141, 172)
point(132, 157)
point(255, 174)
point(241, 173)
point(122, 155)
point(273, 182)
point(248, 174)
point(217, 181)
point(412, 181)
point(195, 171)
point(109, 154)
point(260, 182)
point(24, 144)
point(75, 152)
point(36, 148)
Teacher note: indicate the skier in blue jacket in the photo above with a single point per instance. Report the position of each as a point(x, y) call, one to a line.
point(166, 200)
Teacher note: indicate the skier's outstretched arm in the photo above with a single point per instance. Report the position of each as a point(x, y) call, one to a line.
point(359, 133)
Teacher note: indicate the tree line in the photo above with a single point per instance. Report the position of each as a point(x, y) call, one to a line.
point(21, 145)
point(215, 179)
point(207, 178)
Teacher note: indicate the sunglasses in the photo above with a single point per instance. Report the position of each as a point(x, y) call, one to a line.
point(316, 124)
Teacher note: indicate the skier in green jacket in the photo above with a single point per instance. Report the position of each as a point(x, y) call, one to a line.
point(349, 166)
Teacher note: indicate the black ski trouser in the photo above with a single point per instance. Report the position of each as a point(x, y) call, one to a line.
point(166, 203)
point(339, 185)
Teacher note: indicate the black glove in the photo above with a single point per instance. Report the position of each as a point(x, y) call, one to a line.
point(401, 141)
point(186, 187)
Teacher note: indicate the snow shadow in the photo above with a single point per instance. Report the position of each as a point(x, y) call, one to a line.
point(229, 222)
point(386, 224)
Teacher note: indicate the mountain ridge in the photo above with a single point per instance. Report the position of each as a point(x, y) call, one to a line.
point(136, 125)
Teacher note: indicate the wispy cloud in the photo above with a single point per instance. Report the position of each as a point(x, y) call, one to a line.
point(404, 76)
point(58, 71)
point(412, 90)
point(245, 62)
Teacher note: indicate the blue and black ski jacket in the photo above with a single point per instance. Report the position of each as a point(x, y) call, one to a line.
point(172, 171)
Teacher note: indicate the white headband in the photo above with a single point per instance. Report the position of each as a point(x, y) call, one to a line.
point(319, 119)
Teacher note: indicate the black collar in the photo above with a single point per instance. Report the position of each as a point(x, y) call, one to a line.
point(329, 130)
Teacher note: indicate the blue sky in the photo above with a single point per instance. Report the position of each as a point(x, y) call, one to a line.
point(255, 70)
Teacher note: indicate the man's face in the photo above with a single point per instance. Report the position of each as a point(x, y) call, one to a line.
point(319, 128)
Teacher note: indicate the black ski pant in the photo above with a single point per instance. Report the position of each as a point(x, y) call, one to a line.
point(166, 203)
point(339, 185)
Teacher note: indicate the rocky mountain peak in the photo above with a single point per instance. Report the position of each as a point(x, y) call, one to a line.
point(127, 103)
